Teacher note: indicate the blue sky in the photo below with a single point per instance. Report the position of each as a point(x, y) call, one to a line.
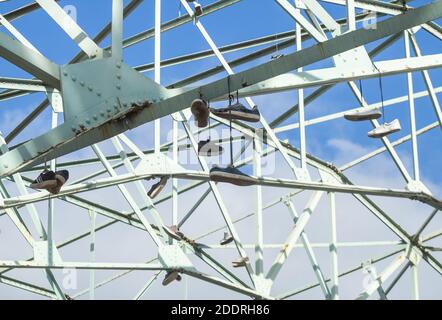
point(337, 141)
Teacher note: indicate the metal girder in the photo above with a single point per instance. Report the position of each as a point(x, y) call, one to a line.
point(43, 105)
point(27, 154)
point(374, 285)
point(30, 61)
point(329, 76)
point(195, 175)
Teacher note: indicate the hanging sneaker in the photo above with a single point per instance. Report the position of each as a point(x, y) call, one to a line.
point(385, 129)
point(171, 276)
point(46, 180)
point(201, 112)
point(207, 148)
point(231, 175)
point(198, 9)
point(157, 187)
point(174, 232)
point(238, 111)
point(61, 176)
point(241, 262)
point(226, 239)
point(362, 115)
point(276, 56)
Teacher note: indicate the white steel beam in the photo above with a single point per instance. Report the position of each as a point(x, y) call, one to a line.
point(67, 23)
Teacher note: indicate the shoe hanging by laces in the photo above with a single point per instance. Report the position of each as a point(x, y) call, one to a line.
point(230, 121)
point(381, 90)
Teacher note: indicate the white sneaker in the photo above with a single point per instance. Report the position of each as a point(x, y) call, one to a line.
point(240, 262)
point(385, 129)
point(362, 115)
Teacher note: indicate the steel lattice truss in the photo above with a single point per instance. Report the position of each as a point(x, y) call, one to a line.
point(101, 98)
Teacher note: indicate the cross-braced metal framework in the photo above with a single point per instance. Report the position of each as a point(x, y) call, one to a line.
point(102, 99)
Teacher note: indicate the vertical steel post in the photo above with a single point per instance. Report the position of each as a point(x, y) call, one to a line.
point(333, 248)
point(412, 112)
point(259, 254)
point(301, 116)
point(415, 274)
point(92, 219)
point(157, 68)
point(351, 19)
point(117, 29)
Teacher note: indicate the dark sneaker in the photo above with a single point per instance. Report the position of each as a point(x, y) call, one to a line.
point(198, 9)
point(208, 148)
point(201, 112)
point(46, 180)
point(241, 262)
point(227, 239)
point(174, 232)
point(238, 111)
point(157, 187)
point(276, 56)
point(362, 115)
point(171, 276)
point(231, 175)
point(61, 176)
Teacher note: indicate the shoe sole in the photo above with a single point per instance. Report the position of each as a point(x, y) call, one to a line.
point(50, 184)
point(362, 118)
point(224, 242)
point(381, 135)
point(232, 178)
point(237, 115)
point(156, 190)
point(170, 279)
point(173, 234)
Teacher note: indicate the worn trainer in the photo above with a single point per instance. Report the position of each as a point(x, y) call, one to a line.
point(171, 276)
point(241, 262)
point(198, 9)
point(231, 175)
point(46, 180)
point(201, 112)
point(239, 112)
point(174, 232)
point(226, 239)
point(157, 187)
point(363, 115)
point(385, 129)
point(61, 176)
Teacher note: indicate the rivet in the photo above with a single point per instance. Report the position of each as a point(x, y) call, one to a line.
point(74, 78)
point(65, 73)
point(118, 87)
point(90, 88)
point(88, 121)
point(82, 83)
point(99, 94)
point(119, 76)
point(102, 113)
